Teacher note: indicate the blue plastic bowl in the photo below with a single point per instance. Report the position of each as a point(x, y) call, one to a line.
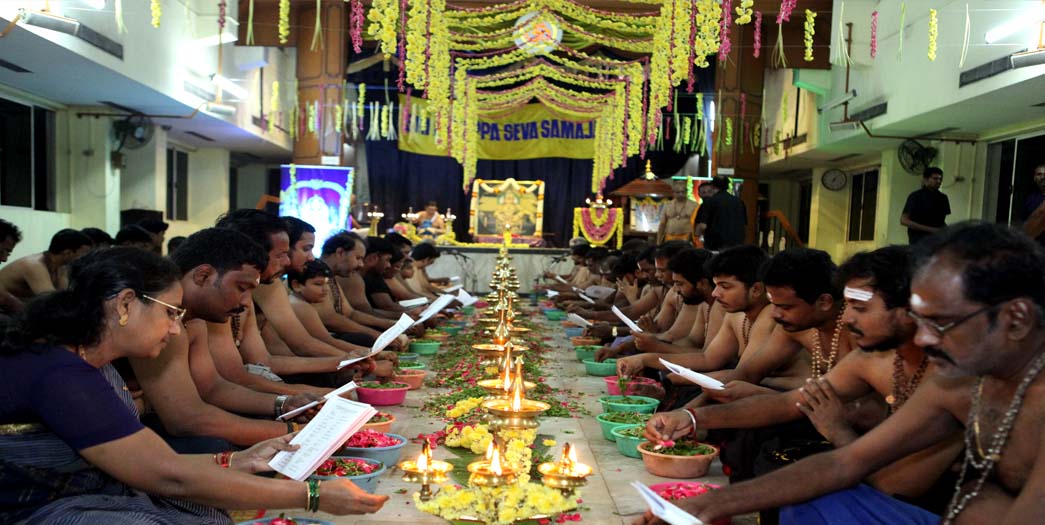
point(574, 331)
point(386, 455)
point(367, 482)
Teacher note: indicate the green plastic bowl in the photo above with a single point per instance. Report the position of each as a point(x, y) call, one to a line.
point(603, 369)
point(468, 310)
point(587, 353)
point(612, 404)
point(607, 425)
point(627, 445)
point(451, 330)
point(428, 348)
point(412, 365)
point(408, 356)
point(555, 315)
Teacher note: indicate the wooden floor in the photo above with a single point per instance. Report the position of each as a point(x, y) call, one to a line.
point(608, 497)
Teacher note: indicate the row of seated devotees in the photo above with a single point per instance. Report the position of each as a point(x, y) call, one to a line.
point(876, 370)
point(906, 375)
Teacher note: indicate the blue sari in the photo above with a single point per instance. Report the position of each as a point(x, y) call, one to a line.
point(44, 481)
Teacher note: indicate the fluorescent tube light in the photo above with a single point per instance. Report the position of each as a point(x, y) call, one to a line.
point(1035, 57)
point(219, 109)
point(49, 21)
point(845, 125)
point(230, 87)
point(1034, 15)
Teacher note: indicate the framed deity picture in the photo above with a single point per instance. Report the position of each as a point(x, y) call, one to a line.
point(500, 204)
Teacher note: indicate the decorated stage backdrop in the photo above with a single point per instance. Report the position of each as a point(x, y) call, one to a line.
point(531, 132)
point(318, 195)
point(498, 203)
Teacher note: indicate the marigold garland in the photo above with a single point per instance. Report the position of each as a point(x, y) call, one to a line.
point(611, 222)
point(934, 32)
point(744, 11)
point(810, 30)
point(284, 21)
point(156, 11)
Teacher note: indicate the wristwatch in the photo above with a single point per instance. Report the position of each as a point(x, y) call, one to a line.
point(281, 400)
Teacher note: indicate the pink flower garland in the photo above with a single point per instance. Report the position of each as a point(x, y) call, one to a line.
point(874, 34)
point(357, 26)
point(401, 79)
point(221, 16)
point(786, 6)
point(599, 233)
point(726, 46)
point(758, 33)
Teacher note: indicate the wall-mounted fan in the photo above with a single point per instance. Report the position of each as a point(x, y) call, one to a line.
point(132, 132)
point(914, 157)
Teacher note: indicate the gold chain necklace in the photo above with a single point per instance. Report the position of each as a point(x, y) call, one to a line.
point(820, 365)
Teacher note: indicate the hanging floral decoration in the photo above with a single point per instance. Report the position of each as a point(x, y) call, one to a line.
point(784, 15)
point(250, 23)
point(965, 38)
point(599, 225)
point(758, 34)
point(273, 105)
point(934, 32)
point(356, 19)
point(118, 13)
point(156, 11)
point(727, 44)
point(903, 21)
point(284, 21)
point(317, 33)
point(874, 35)
point(842, 50)
point(222, 6)
point(744, 11)
point(459, 58)
point(810, 30)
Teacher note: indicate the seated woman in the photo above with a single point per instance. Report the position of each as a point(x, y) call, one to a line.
point(71, 447)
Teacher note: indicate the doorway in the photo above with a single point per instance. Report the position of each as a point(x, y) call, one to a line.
point(1010, 169)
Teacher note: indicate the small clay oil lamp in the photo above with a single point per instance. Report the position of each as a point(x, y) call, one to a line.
point(515, 411)
point(425, 471)
point(567, 474)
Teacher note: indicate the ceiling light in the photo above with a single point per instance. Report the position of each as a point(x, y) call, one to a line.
point(1028, 58)
point(94, 4)
point(1033, 15)
point(846, 97)
point(49, 21)
point(224, 110)
point(230, 87)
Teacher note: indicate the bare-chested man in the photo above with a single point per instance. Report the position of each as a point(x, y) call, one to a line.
point(694, 285)
point(220, 269)
point(978, 294)
point(10, 236)
point(43, 272)
point(891, 365)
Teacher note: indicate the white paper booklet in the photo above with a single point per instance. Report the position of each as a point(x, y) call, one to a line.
point(347, 387)
point(577, 320)
point(694, 377)
point(599, 292)
point(336, 421)
point(663, 508)
point(455, 279)
point(465, 298)
point(437, 306)
point(383, 340)
point(560, 279)
point(552, 293)
point(624, 319)
point(410, 303)
point(586, 298)
point(452, 289)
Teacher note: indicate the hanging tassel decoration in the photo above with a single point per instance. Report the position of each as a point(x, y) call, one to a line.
point(250, 23)
point(784, 15)
point(874, 35)
point(903, 18)
point(842, 54)
point(965, 41)
point(758, 33)
point(118, 11)
point(317, 34)
point(934, 33)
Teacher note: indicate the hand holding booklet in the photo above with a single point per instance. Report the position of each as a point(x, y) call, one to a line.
point(337, 420)
point(410, 303)
point(437, 306)
point(465, 298)
point(624, 319)
point(663, 508)
point(383, 340)
point(344, 389)
point(561, 280)
point(695, 377)
point(452, 289)
point(577, 320)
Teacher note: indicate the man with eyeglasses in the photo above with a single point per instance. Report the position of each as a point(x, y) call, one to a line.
point(977, 296)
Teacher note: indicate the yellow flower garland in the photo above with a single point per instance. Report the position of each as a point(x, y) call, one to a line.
point(934, 33)
point(810, 30)
point(284, 21)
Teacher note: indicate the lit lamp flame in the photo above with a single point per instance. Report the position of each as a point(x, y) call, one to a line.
point(425, 458)
point(489, 451)
point(518, 387)
point(507, 382)
point(495, 461)
point(568, 460)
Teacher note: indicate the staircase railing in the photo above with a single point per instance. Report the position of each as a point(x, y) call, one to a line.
point(776, 233)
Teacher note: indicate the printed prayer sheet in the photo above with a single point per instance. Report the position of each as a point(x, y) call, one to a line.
point(347, 387)
point(624, 319)
point(561, 280)
point(437, 306)
point(452, 289)
point(577, 320)
point(336, 421)
point(410, 303)
point(694, 377)
point(465, 298)
point(383, 340)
